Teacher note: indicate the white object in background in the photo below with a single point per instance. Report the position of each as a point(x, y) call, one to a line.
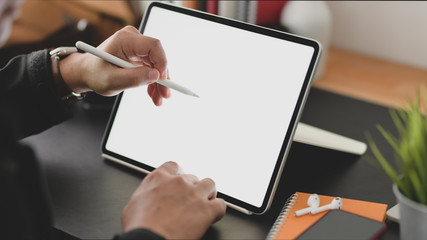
point(318, 137)
point(227, 9)
point(143, 5)
point(412, 217)
point(334, 205)
point(313, 202)
point(179, 3)
point(311, 19)
point(393, 214)
point(252, 11)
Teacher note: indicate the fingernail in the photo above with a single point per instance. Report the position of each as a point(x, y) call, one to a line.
point(153, 75)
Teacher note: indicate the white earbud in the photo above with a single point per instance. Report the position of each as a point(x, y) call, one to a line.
point(313, 202)
point(335, 204)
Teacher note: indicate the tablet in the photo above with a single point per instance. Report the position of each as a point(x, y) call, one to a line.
point(252, 83)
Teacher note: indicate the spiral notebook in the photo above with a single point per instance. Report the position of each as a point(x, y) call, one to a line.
point(289, 226)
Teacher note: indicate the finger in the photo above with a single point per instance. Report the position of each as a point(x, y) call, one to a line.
point(157, 99)
point(164, 91)
point(131, 29)
point(133, 44)
point(121, 79)
point(207, 187)
point(171, 167)
point(150, 90)
point(219, 207)
point(141, 61)
point(190, 178)
point(140, 45)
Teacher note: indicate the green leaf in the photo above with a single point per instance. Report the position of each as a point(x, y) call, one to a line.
point(409, 148)
point(396, 116)
point(388, 169)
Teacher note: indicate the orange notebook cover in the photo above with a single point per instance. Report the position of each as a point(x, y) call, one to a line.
point(289, 226)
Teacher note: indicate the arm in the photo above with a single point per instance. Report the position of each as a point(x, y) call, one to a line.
point(31, 97)
point(167, 203)
point(24, 208)
point(28, 96)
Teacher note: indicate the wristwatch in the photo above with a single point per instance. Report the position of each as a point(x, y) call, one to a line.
point(66, 94)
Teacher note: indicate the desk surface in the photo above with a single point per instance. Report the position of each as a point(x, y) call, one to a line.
point(89, 193)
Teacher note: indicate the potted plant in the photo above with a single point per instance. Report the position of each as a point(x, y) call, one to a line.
point(410, 174)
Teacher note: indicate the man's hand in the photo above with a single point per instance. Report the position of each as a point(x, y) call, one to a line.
point(173, 205)
point(85, 72)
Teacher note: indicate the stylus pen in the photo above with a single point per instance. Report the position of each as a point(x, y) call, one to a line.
point(122, 63)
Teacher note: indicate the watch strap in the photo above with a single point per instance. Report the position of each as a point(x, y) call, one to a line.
point(66, 94)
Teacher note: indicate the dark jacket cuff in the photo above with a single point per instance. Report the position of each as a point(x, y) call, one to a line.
point(138, 234)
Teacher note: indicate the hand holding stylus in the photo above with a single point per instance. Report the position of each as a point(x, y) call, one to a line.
point(85, 72)
point(122, 63)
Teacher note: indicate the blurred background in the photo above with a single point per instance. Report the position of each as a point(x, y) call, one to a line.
point(392, 30)
point(368, 45)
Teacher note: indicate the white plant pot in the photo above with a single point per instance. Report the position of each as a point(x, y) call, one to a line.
point(413, 217)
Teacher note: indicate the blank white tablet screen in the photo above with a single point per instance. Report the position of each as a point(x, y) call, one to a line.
point(248, 85)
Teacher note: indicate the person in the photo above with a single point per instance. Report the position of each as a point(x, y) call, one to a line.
point(167, 204)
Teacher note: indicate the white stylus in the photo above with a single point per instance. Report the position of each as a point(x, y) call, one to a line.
point(122, 63)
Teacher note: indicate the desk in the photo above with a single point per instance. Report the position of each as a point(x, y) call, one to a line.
point(89, 193)
point(375, 80)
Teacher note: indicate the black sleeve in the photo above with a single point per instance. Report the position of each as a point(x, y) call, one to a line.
point(24, 203)
point(138, 234)
point(28, 95)
point(29, 104)
point(24, 208)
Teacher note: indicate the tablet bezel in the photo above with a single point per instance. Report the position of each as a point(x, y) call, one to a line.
point(233, 202)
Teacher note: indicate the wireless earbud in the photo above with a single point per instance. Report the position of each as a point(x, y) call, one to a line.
point(335, 204)
point(313, 202)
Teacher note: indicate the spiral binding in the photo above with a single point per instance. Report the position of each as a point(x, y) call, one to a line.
point(283, 216)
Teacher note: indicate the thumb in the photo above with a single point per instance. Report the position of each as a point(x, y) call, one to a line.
point(152, 76)
point(147, 76)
